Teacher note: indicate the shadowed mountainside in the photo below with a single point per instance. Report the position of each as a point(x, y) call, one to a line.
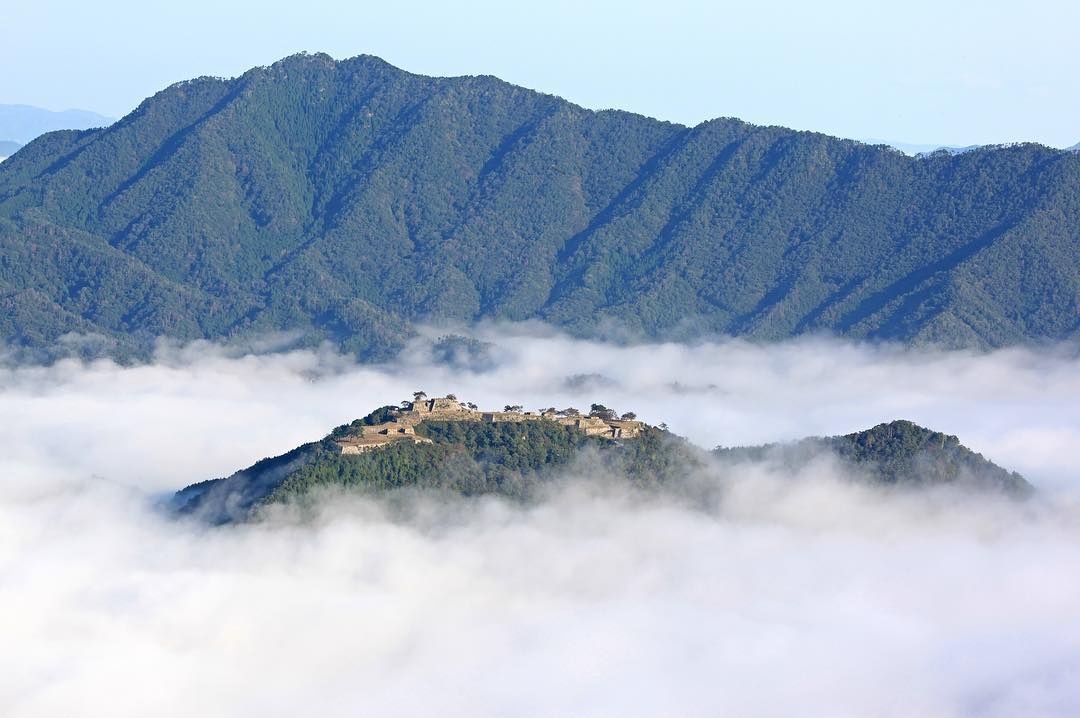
point(347, 200)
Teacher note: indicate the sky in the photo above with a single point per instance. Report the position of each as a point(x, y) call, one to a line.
point(940, 72)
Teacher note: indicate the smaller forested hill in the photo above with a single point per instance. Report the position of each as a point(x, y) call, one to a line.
point(896, 453)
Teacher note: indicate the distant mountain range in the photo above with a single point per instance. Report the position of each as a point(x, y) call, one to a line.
point(921, 150)
point(434, 445)
point(23, 123)
point(349, 200)
point(916, 149)
point(7, 149)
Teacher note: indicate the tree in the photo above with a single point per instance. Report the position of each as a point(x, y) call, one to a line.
point(629, 416)
point(512, 407)
point(418, 395)
point(569, 411)
point(601, 411)
point(472, 406)
point(451, 397)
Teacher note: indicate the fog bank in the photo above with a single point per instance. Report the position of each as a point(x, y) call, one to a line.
point(795, 593)
point(211, 411)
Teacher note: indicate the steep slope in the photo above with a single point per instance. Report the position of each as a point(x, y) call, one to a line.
point(350, 199)
point(896, 453)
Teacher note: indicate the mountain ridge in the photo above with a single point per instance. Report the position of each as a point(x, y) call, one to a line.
point(348, 200)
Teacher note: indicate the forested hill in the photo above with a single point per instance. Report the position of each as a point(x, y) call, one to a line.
point(516, 460)
point(512, 459)
point(895, 453)
point(351, 199)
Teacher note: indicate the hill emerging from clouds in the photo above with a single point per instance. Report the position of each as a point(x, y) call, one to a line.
point(349, 200)
point(441, 446)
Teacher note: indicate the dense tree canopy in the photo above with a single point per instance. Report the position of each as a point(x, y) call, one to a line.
point(347, 200)
point(898, 452)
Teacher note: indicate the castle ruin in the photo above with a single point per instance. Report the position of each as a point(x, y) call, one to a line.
point(402, 427)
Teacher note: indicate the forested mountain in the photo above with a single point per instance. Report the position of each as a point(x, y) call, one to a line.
point(352, 199)
point(8, 148)
point(516, 460)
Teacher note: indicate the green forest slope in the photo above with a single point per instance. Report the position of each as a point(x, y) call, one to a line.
point(349, 200)
point(895, 453)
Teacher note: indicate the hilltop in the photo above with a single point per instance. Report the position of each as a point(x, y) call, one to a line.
point(348, 200)
point(445, 445)
point(895, 453)
point(400, 424)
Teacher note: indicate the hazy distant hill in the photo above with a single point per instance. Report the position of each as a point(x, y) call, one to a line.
point(915, 149)
point(7, 149)
point(350, 199)
point(22, 123)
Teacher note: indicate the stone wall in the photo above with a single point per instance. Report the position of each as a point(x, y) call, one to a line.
point(403, 426)
point(510, 416)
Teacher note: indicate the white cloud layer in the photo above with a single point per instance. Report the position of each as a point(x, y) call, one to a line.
point(795, 595)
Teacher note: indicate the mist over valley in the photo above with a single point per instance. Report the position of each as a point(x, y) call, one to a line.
point(685, 600)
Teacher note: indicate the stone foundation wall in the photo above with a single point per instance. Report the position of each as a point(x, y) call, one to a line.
point(403, 427)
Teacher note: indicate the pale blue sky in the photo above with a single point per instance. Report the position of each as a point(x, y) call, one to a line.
point(919, 71)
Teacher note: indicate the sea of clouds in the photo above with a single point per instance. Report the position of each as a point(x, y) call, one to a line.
point(795, 593)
